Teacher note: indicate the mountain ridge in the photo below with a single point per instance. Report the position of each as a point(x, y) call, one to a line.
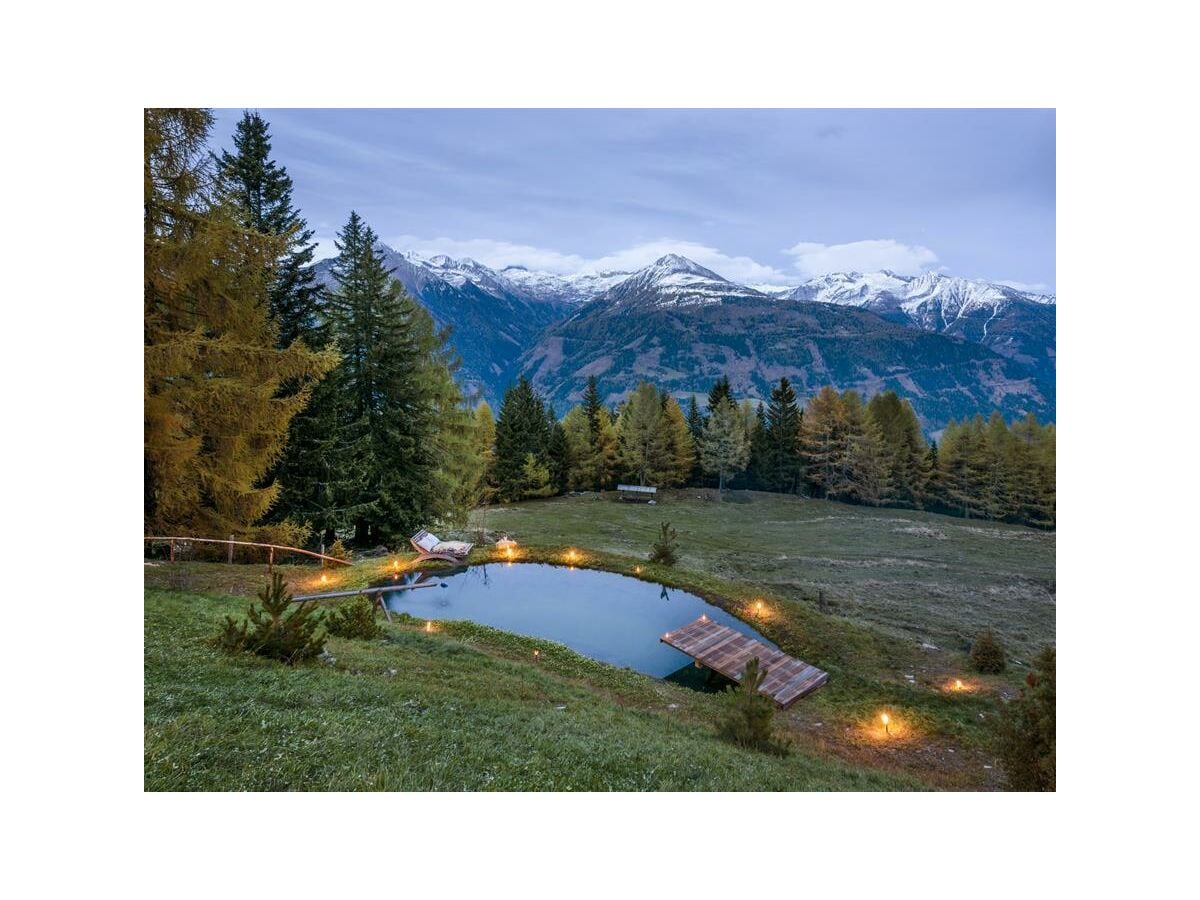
point(670, 322)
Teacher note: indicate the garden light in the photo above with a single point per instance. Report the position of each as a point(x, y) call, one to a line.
point(958, 685)
point(885, 719)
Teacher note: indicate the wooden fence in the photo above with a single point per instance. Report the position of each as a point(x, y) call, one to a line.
point(231, 543)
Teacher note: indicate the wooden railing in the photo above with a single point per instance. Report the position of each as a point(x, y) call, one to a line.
point(231, 543)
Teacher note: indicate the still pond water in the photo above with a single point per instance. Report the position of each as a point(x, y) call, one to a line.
point(613, 618)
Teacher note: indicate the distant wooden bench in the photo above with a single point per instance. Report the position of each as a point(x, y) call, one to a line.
point(636, 492)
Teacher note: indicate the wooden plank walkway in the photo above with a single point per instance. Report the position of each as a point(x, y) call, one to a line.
point(727, 651)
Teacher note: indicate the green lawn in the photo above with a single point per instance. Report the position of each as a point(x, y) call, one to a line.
point(469, 708)
point(919, 576)
point(463, 709)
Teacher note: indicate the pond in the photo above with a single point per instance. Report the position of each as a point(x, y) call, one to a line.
point(614, 618)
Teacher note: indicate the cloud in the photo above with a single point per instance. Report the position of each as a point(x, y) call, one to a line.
point(830, 131)
point(813, 259)
point(1037, 287)
point(498, 254)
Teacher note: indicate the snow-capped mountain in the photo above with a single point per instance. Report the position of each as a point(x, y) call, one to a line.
point(578, 288)
point(951, 345)
point(492, 323)
point(1014, 323)
point(914, 294)
point(682, 326)
point(674, 281)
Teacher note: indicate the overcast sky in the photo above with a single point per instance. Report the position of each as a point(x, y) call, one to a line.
point(760, 196)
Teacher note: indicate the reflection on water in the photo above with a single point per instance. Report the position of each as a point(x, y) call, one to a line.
point(610, 617)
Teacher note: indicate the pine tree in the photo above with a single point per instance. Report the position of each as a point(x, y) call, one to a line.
point(593, 408)
point(459, 465)
point(905, 453)
point(681, 450)
point(1026, 730)
point(535, 478)
point(865, 477)
point(758, 468)
point(559, 457)
point(695, 423)
point(995, 500)
point(261, 190)
point(962, 465)
point(279, 630)
point(726, 447)
point(521, 431)
point(718, 392)
point(784, 464)
point(591, 441)
point(641, 438)
point(823, 439)
point(215, 420)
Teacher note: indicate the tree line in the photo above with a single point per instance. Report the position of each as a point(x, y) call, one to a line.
point(276, 409)
point(835, 446)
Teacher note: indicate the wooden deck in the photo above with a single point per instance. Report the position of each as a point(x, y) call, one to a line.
point(727, 651)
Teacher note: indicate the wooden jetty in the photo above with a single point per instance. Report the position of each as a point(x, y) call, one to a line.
point(727, 651)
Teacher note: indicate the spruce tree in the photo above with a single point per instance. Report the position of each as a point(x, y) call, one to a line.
point(521, 431)
point(388, 462)
point(215, 419)
point(783, 463)
point(593, 408)
point(718, 392)
point(261, 190)
point(1026, 730)
point(459, 464)
point(757, 470)
point(558, 457)
point(695, 423)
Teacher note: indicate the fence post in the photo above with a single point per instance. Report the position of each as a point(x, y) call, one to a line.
point(172, 551)
point(270, 559)
point(231, 548)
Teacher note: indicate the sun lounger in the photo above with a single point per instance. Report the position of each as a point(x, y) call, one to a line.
point(430, 546)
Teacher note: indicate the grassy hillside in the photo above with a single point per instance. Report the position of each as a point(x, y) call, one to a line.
point(468, 707)
point(919, 576)
point(461, 709)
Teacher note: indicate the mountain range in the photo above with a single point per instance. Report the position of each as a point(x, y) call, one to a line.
point(952, 346)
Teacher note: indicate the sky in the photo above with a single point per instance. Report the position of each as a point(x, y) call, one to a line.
point(759, 196)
